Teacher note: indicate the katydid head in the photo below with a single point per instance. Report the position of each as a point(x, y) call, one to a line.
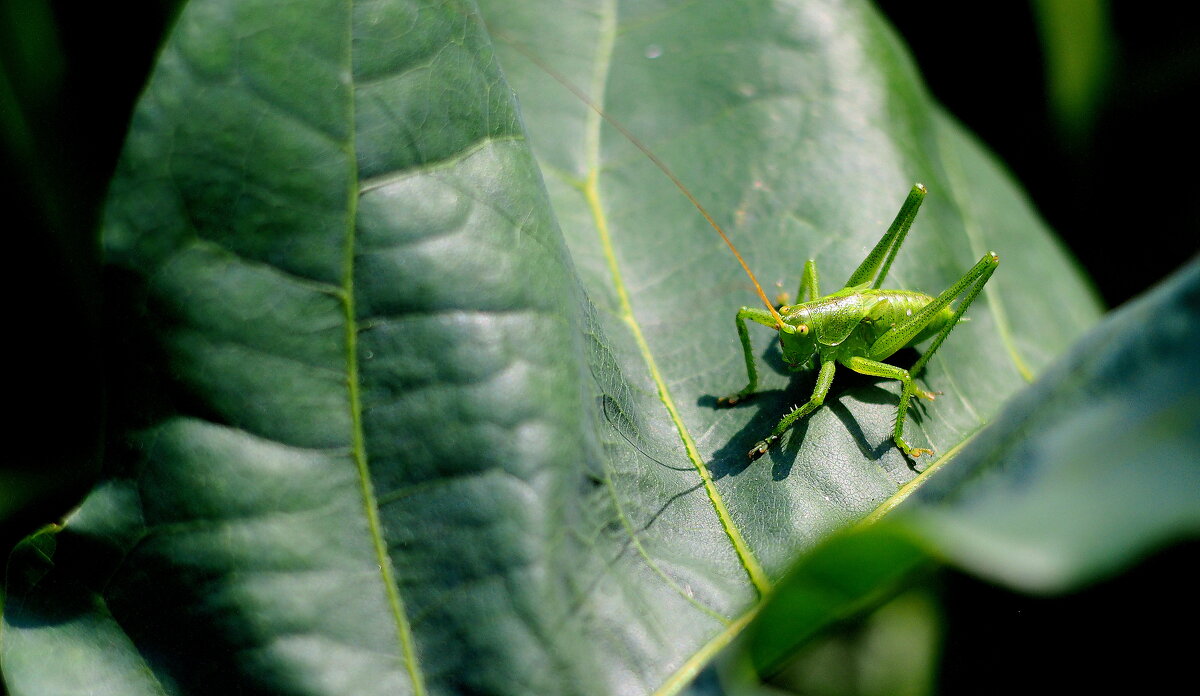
point(796, 338)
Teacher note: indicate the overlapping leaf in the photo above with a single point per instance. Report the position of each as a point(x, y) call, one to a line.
point(1082, 474)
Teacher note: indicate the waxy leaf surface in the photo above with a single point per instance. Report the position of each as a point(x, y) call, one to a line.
point(390, 418)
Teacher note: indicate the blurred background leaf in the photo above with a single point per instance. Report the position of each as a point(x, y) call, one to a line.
point(69, 73)
point(1079, 54)
point(1113, 193)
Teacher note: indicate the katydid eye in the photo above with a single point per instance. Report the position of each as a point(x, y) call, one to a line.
point(802, 329)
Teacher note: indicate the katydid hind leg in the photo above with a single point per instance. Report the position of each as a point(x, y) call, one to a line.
point(879, 260)
point(757, 315)
point(824, 380)
point(971, 282)
point(810, 283)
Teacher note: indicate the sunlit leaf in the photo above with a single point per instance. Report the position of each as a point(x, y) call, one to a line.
point(379, 427)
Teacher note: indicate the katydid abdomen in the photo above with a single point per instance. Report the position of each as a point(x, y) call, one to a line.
point(854, 319)
point(897, 305)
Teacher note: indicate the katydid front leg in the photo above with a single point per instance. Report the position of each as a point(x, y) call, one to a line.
point(824, 379)
point(762, 317)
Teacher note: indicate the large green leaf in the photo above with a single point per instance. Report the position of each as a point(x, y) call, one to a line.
point(385, 432)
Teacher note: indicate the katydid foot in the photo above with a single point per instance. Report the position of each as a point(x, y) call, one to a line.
point(732, 399)
point(761, 448)
point(912, 453)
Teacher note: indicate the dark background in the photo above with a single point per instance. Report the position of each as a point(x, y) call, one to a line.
point(1121, 188)
point(1117, 179)
point(1120, 185)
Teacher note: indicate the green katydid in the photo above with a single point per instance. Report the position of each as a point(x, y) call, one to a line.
point(858, 326)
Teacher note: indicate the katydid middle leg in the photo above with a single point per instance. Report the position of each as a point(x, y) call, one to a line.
point(875, 368)
point(824, 379)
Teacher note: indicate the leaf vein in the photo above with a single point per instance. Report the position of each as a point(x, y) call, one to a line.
point(358, 445)
point(604, 55)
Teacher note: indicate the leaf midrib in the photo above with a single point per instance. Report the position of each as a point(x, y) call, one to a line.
point(591, 192)
point(358, 446)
